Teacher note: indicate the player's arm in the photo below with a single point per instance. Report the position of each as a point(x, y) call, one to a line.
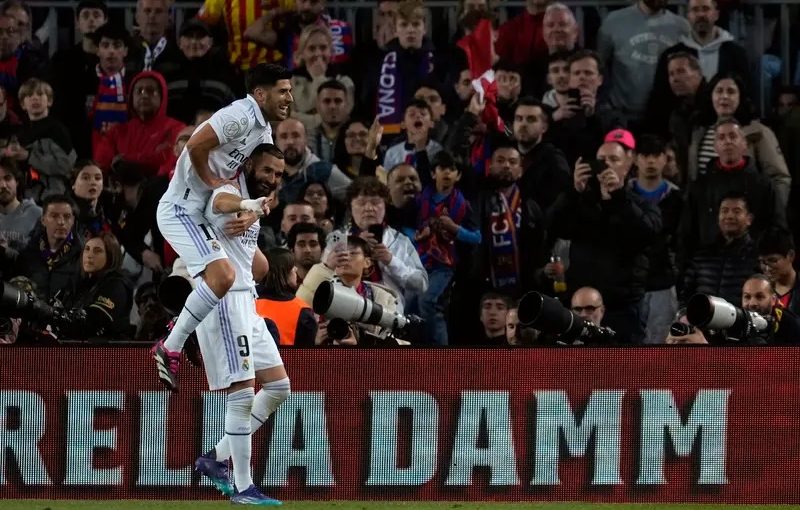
point(199, 146)
point(227, 203)
point(260, 266)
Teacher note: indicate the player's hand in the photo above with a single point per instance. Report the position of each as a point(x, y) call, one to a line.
point(258, 205)
point(239, 226)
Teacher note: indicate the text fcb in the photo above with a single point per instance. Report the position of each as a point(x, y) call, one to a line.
point(698, 424)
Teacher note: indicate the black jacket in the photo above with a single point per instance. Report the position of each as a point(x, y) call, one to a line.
point(700, 222)
point(57, 281)
point(721, 269)
point(107, 301)
point(131, 227)
point(581, 136)
point(609, 239)
point(545, 174)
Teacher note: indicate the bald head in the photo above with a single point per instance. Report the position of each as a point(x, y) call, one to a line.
point(291, 140)
point(587, 302)
point(758, 295)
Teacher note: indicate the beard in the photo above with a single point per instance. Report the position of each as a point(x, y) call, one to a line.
point(500, 180)
point(6, 197)
point(292, 156)
point(258, 188)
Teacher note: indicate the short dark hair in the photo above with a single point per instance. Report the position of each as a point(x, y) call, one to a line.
point(559, 56)
point(10, 166)
point(583, 54)
point(91, 4)
point(305, 228)
point(366, 186)
point(724, 121)
point(332, 85)
point(528, 101)
point(267, 148)
point(59, 199)
point(691, 58)
point(776, 241)
point(299, 201)
point(112, 31)
point(80, 165)
point(507, 66)
point(444, 159)
point(16, 4)
point(493, 294)
point(265, 75)
point(651, 145)
point(358, 242)
point(419, 103)
point(735, 195)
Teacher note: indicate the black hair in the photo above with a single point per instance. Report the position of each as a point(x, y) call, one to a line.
point(91, 4)
point(776, 241)
point(507, 66)
point(332, 85)
point(744, 113)
point(528, 101)
point(651, 145)
point(305, 228)
point(267, 148)
point(11, 167)
point(492, 294)
point(691, 58)
point(583, 54)
point(419, 103)
point(444, 159)
point(735, 195)
point(559, 56)
point(111, 31)
point(358, 242)
point(59, 199)
point(266, 75)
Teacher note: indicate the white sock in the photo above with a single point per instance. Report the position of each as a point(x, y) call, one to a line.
point(199, 304)
point(238, 432)
point(265, 403)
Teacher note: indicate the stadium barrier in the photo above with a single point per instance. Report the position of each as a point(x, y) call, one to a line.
point(594, 424)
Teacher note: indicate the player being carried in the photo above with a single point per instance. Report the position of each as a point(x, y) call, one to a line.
point(213, 157)
point(246, 350)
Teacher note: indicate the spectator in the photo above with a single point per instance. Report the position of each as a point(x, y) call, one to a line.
point(244, 52)
point(52, 257)
point(327, 214)
point(494, 308)
point(513, 329)
point(277, 302)
point(404, 188)
point(629, 43)
point(109, 85)
point(724, 265)
point(610, 228)
point(333, 109)
point(135, 224)
point(45, 140)
point(672, 171)
point(732, 171)
point(75, 74)
point(727, 98)
point(587, 302)
point(349, 266)
point(153, 317)
point(545, 172)
point(303, 166)
point(147, 138)
point(407, 62)
point(19, 60)
point(9, 121)
point(429, 92)
point(786, 125)
point(18, 216)
point(558, 80)
point(520, 40)
point(509, 87)
point(104, 292)
point(660, 302)
point(203, 77)
point(578, 129)
point(355, 137)
point(87, 189)
point(153, 49)
point(313, 67)
point(445, 217)
point(296, 212)
point(306, 241)
point(776, 254)
point(418, 148)
point(396, 263)
point(560, 33)
point(758, 295)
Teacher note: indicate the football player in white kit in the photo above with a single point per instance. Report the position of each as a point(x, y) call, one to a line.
point(213, 157)
point(236, 345)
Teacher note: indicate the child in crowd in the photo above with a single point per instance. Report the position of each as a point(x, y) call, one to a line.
point(445, 217)
point(418, 148)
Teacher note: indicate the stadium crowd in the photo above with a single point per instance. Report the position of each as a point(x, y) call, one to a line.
point(621, 176)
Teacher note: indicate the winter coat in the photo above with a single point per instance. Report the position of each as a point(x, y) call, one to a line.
point(721, 269)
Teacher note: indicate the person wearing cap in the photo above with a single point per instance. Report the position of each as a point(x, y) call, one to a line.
point(153, 48)
point(72, 68)
point(203, 79)
point(610, 228)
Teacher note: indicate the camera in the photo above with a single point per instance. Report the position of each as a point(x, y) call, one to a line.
point(339, 302)
point(549, 316)
point(21, 304)
point(714, 313)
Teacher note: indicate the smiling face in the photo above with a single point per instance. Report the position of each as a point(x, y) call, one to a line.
point(758, 296)
point(195, 44)
point(316, 196)
point(89, 183)
point(734, 218)
point(266, 172)
point(316, 50)
point(94, 258)
point(275, 101)
point(725, 97)
point(559, 30)
point(355, 138)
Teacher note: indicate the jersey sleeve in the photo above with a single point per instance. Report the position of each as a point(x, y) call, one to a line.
point(231, 123)
point(217, 219)
point(267, 135)
point(211, 11)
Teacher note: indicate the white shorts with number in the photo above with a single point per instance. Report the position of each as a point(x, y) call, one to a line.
point(191, 235)
point(235, 342)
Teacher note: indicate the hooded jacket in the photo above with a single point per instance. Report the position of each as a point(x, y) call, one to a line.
point(721, 54)
point(312, 169)
point(146, 142)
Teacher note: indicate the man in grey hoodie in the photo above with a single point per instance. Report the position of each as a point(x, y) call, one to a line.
point(630, 42)
point(18, 217)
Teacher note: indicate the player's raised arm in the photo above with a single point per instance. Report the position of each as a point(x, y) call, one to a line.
point(225, 203)
point(199, 146)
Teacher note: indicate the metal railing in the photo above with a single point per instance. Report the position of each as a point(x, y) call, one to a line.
point(750, 22)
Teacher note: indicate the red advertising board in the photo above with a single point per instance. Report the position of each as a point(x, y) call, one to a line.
point(593, 424)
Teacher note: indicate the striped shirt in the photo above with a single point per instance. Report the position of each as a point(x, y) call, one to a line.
point(238, 15)
point(707, 152)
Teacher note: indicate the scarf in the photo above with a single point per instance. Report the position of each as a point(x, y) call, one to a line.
point(391, 90)
point(480, 155)
point(8, 78)
point(438, 247)
point(110, 105)
point(53, 257)
point(150, 55)
point(342, 34)
point(505, 217)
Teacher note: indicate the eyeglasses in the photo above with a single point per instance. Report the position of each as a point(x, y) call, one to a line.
point(587, 308)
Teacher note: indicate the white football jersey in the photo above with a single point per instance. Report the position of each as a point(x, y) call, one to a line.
point(241, 249)
point(240, 128)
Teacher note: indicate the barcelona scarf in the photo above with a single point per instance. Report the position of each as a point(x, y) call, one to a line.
point(439, 247)
point(391, 90)
point(110, 104)
point(52, 257)
point(341, 33)
point(505, 218)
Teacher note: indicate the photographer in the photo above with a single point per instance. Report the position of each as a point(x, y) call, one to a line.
point(610, 227)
